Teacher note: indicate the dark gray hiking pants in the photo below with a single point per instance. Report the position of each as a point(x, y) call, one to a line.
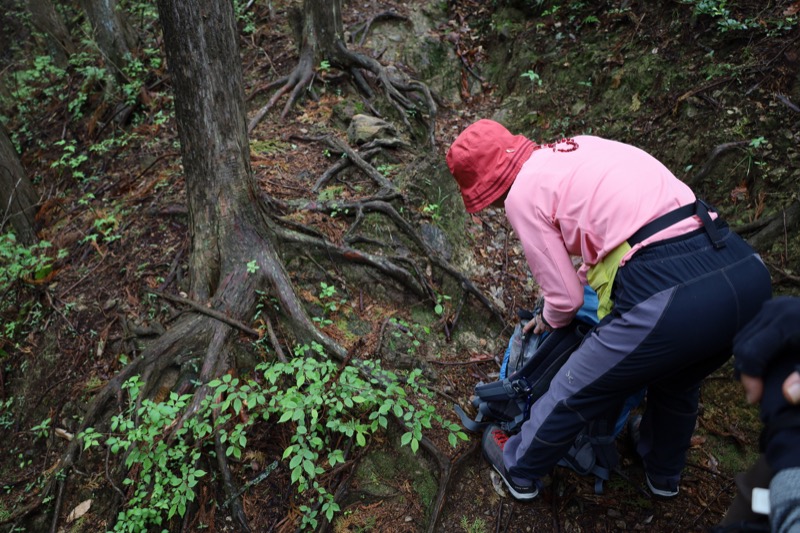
point(677, 305)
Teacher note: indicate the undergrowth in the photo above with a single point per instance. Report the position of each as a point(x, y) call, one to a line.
point(316, 399)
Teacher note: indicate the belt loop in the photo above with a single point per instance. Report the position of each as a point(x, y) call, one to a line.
point(701, 210)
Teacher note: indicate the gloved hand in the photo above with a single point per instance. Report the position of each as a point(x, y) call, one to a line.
point(767, 353)
point(775, 329)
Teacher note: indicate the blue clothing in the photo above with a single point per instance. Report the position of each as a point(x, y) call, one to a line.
point(677, 305)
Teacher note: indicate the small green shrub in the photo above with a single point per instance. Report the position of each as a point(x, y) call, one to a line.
point(320, 400)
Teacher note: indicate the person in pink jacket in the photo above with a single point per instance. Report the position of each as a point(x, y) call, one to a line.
point(675, 286)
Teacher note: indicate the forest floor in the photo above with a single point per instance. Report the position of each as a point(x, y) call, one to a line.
point(127, 242)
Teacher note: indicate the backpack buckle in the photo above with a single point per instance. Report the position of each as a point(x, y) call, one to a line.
point(520, 387)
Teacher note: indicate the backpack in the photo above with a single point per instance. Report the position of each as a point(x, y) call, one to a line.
point(529, 364)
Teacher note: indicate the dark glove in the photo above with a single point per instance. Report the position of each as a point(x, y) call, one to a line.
point(774, 331)
point(769, 347)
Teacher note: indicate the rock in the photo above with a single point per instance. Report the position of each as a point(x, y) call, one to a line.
point(365, 128)
point(437, 240)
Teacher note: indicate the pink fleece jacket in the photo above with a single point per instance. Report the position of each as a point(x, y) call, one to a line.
point(585, 203)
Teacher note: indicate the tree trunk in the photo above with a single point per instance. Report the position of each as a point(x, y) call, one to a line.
point(17, 197)
point(322, 27)
point(46, 19)
point(232, 250)
point(113, 34)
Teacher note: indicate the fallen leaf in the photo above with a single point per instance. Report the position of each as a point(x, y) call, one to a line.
point(79, 511)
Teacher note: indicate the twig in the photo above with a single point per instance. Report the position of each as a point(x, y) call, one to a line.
point(108, 476)
point(274, 340)
point(59, 500)
point(227, 478)
point(788, 103)
point(461, 363)
point(208, 312)
point(258, 479)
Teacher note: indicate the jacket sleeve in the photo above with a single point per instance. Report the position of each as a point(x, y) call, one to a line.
point(552, 267)
point(773, 331)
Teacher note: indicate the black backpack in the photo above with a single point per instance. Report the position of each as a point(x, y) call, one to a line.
point(529, 368)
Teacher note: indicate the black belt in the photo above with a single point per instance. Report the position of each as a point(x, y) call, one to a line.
point(698, 208)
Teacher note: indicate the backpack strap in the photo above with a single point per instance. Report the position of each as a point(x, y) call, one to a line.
point(594, 452)
point(475, 426)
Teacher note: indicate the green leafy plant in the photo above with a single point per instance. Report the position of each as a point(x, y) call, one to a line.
point(441, 301)
point(726, 21)
point(477, 525)
point(327, 297)
point(70, 159)
point(433, 211)
point(534, 77)
point(168, 471)
point(403, 336)
point(386, 169)
point(18, 261)
point(42, 429)
point(328, 408)
point(6, 413)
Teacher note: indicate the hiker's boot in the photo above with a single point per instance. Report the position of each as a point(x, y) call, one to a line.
point(494, 440)
point(665, 487)
point(662, 486)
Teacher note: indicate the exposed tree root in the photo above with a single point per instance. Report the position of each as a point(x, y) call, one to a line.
point(385, 264)
point(364, 28)
point(778, 227)
point(396, 91)
point(420, 287)
point(712, 159)
point(446, 469)
point(387, 188)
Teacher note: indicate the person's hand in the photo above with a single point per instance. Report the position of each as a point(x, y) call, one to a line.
point(539, 325)
point(754, 388)
point(791, 388)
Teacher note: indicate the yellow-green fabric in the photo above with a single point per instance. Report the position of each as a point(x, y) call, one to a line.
point(601, 278)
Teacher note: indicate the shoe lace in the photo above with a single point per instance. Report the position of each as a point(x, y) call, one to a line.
point(500, 437)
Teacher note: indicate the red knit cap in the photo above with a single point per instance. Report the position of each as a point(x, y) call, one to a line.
point(485, 160)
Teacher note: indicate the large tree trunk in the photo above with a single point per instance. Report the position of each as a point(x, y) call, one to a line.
point(17, 197)
point(232, 251)
point(322, 27)
point(46, 19)
point(113, 34)
point(227, 223)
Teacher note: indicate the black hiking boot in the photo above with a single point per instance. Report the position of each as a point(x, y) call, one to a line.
point(661, 486)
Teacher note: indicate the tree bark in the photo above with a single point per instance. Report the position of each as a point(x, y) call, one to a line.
point(46, 19)
point(17, 196)
point(233, 252)
point(322, 27)
point(113, 34)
